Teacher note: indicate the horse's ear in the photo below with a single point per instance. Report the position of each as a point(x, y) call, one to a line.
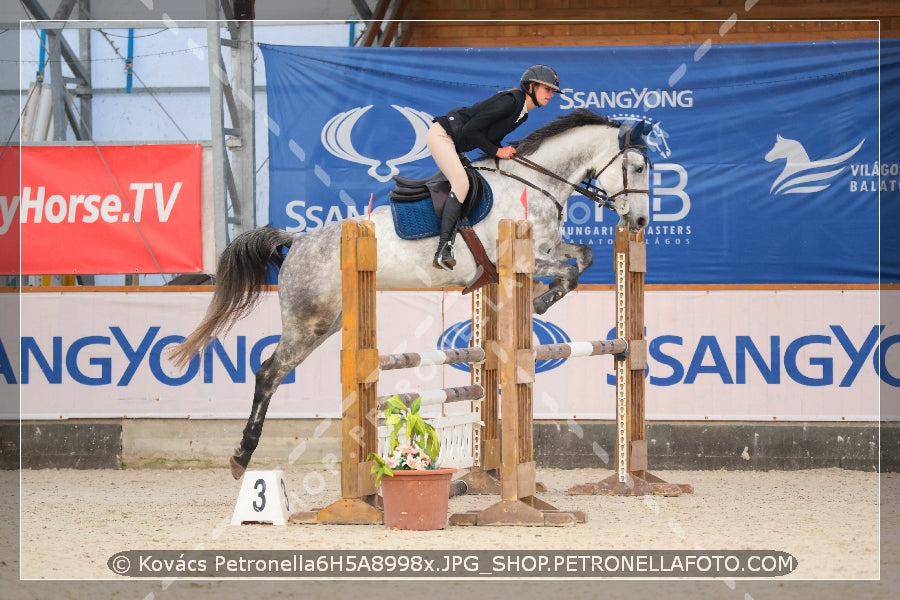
point(644, 129)
point(623, 135)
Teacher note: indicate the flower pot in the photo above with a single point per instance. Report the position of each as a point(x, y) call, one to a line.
point(416, 499)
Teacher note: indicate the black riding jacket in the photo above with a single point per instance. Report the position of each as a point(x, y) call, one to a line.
point(483, 125)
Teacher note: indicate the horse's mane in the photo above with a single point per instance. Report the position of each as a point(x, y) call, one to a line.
point(576, 118)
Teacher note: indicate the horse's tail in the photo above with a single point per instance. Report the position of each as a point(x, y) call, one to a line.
point(241, 273)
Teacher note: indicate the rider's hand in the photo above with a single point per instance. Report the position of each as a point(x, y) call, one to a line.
point(506, 152)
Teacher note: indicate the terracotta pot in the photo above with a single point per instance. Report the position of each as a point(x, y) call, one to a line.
point(416, 499)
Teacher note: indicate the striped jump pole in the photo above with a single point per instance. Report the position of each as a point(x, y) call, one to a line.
point(618, 347)
point(470, 393)
point(409, 360)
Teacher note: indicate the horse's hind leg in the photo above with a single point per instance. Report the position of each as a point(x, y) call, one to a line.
point(292, 349)
point(268, 377)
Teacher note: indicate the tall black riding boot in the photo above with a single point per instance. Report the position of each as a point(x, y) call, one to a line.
point(443, 258)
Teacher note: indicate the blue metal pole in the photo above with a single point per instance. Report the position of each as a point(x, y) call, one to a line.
point(129, 62)
point(42, 56)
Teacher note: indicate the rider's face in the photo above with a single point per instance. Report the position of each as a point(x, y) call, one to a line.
point(543, 93)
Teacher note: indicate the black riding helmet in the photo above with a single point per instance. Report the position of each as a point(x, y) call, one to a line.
point(539, 74)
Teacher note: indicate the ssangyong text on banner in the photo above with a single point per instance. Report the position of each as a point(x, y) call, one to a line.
point(798, 356)
point(766, 165)
point(108, 209)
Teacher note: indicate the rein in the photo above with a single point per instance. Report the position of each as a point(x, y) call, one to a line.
point(585, 187)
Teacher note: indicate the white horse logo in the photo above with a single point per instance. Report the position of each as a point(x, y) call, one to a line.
point(336, 139)
point(799, 170)
point(657, 140)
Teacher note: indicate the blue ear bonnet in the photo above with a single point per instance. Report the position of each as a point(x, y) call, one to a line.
point(638, 138)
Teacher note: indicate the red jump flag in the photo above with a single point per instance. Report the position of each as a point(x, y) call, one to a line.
point(524, 200)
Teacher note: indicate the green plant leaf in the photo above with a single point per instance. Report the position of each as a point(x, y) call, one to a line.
point(419, 432)
point(379, 467)
point(395, 403)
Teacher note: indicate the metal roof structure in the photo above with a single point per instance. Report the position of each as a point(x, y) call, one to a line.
point(229, 25)
point(179, 10)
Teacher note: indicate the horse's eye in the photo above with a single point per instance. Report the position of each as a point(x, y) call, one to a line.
point(639, 168)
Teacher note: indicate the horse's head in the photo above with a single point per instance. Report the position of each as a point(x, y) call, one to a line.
point(581, 146)
point(627, 178)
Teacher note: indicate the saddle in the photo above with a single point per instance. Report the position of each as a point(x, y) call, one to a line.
point(437, 187)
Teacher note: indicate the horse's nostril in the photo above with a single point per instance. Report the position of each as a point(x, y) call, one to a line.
point(642, 221)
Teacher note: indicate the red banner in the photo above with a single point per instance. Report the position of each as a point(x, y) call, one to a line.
point(104, 210)
point(9, 220)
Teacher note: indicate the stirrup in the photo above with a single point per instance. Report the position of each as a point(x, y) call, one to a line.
point(443, 258)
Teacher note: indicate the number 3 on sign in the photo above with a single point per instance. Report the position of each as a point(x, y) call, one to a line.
point(263, 499)
point(259, 503)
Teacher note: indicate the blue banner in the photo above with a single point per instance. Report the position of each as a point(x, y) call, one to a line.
point(766, 165)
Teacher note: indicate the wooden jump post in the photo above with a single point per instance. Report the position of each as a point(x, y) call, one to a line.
point(484, 476)
point(359, 377)
point(631, 477)
point(518, 504)
point(360, 368)
point(517, 357)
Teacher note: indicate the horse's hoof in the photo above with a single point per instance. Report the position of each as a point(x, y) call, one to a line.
point(237, 469)
point(239, 462)
point(458, 488)
point(545, 301)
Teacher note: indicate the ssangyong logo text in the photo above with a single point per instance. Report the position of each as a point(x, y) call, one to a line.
point(632, 98)
point(827, 356)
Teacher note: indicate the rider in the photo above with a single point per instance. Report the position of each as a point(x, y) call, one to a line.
point(483, 126)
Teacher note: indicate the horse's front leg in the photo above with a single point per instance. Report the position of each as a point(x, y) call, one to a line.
point(582, 253)
point(565, 275)
point(565, 278)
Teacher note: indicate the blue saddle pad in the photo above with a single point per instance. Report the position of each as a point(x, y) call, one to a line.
point(416, 220)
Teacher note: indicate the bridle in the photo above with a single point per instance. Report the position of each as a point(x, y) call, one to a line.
point(585, 187)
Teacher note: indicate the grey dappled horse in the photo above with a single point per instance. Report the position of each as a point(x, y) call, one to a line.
point(576, 147)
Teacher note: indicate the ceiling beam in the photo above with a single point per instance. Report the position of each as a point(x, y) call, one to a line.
point(373, 28)
point(37, 11)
